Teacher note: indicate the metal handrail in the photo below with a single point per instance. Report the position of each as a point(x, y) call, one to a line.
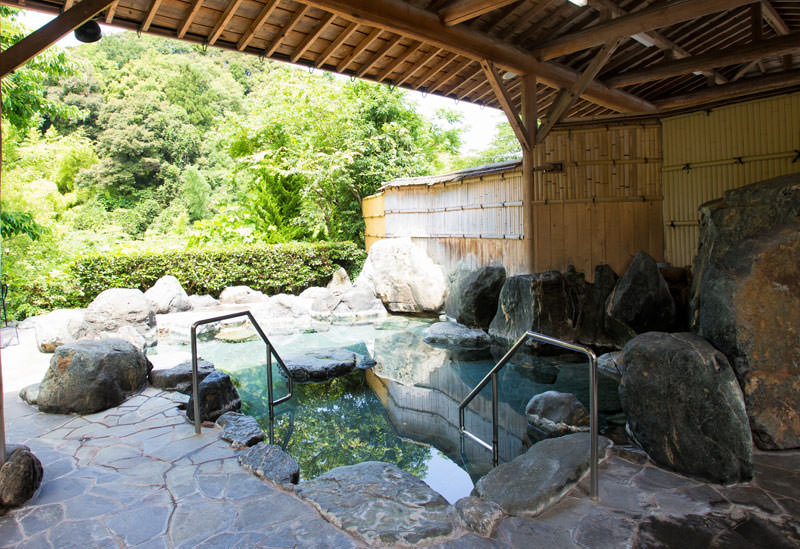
point(492, 376)
point(270, 351)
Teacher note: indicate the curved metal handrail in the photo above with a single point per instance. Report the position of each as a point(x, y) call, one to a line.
point(492, 376)
point(270, 352)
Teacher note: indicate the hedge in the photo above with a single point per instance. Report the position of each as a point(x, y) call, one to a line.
point(272, 269)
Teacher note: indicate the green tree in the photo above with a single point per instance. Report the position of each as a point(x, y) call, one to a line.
point(195, 191)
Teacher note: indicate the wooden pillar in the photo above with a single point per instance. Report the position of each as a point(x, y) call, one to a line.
point(530, 119)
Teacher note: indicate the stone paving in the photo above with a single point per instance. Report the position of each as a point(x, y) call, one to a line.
point(137, 476)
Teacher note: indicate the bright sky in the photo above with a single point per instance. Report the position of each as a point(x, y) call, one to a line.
point(479, 122)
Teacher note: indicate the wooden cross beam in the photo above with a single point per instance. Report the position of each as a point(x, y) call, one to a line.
point(507, 104)
point(33, 44)
point(459, 11)
point(266, 11)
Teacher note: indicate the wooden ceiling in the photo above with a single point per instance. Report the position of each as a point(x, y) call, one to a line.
point(607, 57)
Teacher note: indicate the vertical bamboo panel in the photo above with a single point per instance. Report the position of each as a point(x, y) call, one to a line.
point(709, 152)
point(374, 220)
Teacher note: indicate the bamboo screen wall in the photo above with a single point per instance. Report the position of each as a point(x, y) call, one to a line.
point(709, 152)
point(602, 208)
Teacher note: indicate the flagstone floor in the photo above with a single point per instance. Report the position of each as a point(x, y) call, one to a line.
point(137, 476)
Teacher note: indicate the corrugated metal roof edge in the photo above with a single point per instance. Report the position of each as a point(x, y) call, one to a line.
point(428, 180)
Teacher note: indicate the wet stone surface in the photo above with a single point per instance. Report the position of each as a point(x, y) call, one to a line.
point(240, 430)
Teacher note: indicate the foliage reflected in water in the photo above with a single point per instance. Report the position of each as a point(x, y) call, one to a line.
point(328, 425)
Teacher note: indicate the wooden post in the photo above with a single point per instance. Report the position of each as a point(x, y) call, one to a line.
point(530, 118)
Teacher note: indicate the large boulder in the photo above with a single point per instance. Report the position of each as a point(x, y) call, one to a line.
point(92, 375)
point(340, 281)
point(20, 477)
point(404, 277)
point(473, 294)
point(358, 304)
point(179, 377)
point(640, 302)
point(270, 462)
point(240, 430)
point(203, 302)
point(685, 407)
point(746, 300)
point(59, 327)
point(554, 414)
point(450, 335)
point(241, 294)
point(168, 296)
point(217, 396)
point(117, 308)
point(591, 328)
point(322, 365)
point(548, 303)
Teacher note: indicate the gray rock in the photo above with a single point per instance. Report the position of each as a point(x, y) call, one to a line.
point(270, 462)
point(88, 376)
point(203, 302)
point(685, 407)
point(117, 308)
point(59, 327)
point(641, 302)
point(241, 294)
point(746, 300)
point(168, 296)
point(30, 394)
point(322, 299)
point(553, 414)
point(591, 327)
point(540, 476)
point(340, 281)
point(20, 477)
point(548, 303)
point(479, 516)
point(473, 294)
point(179, 378)
point(715, 530)
point(358, 304)
point(380, 503)
point(321, 365)
point(404, 277)
point(240, 430)
point(217, 396)
point(450, 335)
point(610, 364)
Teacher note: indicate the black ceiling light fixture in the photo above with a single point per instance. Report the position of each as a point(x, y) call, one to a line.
point(88, 32)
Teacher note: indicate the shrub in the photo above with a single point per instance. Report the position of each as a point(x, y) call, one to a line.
point(278, 268)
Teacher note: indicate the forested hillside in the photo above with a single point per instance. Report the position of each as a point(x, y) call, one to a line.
point(137, 142)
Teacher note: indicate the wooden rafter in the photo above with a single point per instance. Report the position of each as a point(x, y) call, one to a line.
point(356, 51)
point(389, 68)
point(68, 4)
point(412, 22)
point(333, 46)
point(567, 98)
point(439, 66)
point(41, 39)
point(377, 56)
point(501, 93)
point(311, 37)
point(196, 5)
point(112, 9)
point(661, 15)
point(224, 20)
point(151, 15)
point(266, 11)
point(459, 11)
point(475, 88)
point(286, 29)
point(730, 56)
point(419, 65)
point(727, 91)
point(447, 78)
point(526, 19)
point(774, 18)
point(467, 80)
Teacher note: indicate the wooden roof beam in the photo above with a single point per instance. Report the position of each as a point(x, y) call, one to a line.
point(196, 4)
point(447, 78)
point(412, 22)
point(774, 18)
point(661, 15)
point(410, 50)
point(150, 15)
point(731, 56)
point(567, 98)
point(727, 91)
point(501, 93)
point(361, 46)
point(266, 11)
point(308, 40)
point(468, 81)
point(438, 67)
point(333, 46)
point(112, 9)
point(41, 39)
point(366, 67)
point(419, 65)
point(459, 11)
point(223, 22)
point(286, 29)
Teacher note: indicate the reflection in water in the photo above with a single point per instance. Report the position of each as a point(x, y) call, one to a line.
point(405, 410)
